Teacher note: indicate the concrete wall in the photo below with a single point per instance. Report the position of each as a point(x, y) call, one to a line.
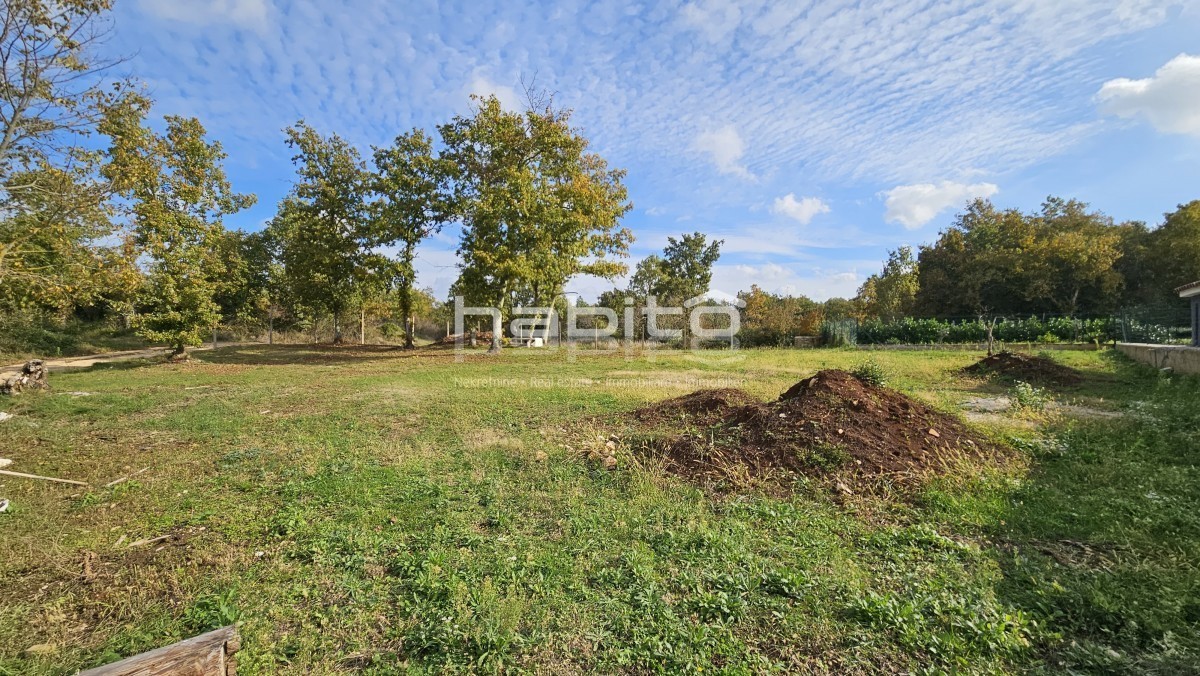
point(1181, 358)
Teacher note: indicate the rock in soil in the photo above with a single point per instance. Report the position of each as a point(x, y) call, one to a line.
point(31, 377)
point(831, 424)
point(1026, 368)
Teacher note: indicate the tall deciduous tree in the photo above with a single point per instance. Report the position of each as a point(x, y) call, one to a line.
point(178, 194)
point(686, 267)
point(48, 252)
point(410, 184)
point(1175, 249)
point(685, 270)
point(53, 203)
point(49, 92)
point(891, 293)
point(322, 226)
point(1071, 263)
point(1061, 259)
point(245, 296)
point(537, 208)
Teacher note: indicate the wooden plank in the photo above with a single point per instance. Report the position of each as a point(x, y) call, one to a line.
point(23, 475)
point(204, 655)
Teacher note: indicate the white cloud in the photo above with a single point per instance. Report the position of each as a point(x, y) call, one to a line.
point(771, 274)
point(726, 148)
point(248, 13)
point(848, 93)
point(1170, 100)
point(818, 283)
point(655, 211)
point(915, 205)
point(508, 96)
point(802, 210)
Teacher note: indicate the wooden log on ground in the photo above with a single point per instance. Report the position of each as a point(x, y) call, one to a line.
point(210, 654)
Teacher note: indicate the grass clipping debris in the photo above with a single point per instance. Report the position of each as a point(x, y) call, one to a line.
point(831, 425)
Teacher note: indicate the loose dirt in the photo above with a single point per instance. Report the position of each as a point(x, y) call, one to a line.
point(1026, 368)
point(831, 424)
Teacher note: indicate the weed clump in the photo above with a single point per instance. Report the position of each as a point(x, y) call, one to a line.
point(1027, 398)
point(871, 373)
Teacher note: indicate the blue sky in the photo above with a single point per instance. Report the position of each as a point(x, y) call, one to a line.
point(811, 136)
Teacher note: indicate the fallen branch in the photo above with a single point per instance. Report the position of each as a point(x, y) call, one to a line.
point(150, 541)
point(114, 482)
point(43, 478)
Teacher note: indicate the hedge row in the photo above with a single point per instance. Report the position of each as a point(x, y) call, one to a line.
point(1031, 330)
point(911, 331)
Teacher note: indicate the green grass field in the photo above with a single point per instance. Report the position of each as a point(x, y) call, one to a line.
point(377, 511)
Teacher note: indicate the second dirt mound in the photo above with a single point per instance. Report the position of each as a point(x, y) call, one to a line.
point(829, 424)
point(1025, 367)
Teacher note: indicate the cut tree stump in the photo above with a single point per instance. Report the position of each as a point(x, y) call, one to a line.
point(31, 377)
point(208, 654)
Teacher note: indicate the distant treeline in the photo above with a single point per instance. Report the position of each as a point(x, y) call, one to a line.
point(1062, 273)
point(912, 330)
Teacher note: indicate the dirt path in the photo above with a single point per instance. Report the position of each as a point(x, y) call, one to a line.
point(66, 363)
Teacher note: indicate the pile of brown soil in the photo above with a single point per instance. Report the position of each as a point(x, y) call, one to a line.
point(705, 407)
point(1026, 368)
point(831, 424)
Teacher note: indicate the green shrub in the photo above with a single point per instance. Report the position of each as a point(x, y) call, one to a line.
point(390, 330)
point(870, 372)
point(1026, 397)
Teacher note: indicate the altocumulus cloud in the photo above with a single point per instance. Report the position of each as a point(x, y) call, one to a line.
point(915, 205)
point(1170, 100)
point(245, 13)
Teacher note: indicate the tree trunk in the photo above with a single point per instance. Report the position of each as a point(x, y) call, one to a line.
point(497, 331)
point(497, 325)
point(362, 326)
point(406, 284)
point(406, 312)
point(337, 328)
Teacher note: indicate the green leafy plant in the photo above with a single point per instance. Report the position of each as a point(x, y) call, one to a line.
point(870, 372)
point(1026, 397)
point(211, 611)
